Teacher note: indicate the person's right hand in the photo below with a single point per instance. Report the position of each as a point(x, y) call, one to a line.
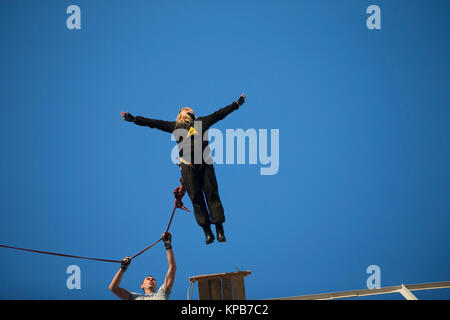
point(125, 263)
point(127, 116)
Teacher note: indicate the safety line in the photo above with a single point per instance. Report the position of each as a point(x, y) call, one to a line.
point(59, 254)
point(178, 193)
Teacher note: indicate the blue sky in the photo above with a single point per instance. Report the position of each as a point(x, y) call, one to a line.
point(363, 121)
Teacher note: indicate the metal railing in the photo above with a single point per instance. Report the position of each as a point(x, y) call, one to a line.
point(404, 290)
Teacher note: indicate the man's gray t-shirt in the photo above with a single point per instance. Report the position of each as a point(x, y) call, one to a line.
point(161, 294)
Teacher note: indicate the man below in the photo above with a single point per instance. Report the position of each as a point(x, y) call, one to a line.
point(148, 285)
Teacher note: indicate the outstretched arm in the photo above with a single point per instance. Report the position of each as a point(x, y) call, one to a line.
point(115, 283)
point(167, 126)
point(222, 113)
point(170, 276)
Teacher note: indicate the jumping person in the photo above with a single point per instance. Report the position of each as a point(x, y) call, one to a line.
point(148, 285)
point(197, 168)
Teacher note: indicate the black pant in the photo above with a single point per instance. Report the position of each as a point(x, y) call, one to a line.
point(199, 180)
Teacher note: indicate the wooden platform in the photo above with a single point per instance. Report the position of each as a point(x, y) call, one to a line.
point(221, 286)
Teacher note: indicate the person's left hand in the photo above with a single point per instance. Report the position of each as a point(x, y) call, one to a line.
point(167, 239)
point(241, 99)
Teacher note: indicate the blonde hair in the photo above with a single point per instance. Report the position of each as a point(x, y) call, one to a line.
point(183, 120)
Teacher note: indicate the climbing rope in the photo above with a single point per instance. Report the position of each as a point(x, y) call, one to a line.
point(58, 254)
point(178, 193)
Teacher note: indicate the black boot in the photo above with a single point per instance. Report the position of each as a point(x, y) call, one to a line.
point(220, 233)
point(209, 235)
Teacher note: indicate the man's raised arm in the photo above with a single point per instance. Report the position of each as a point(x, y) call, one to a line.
point(115, 283)
point(170, 276)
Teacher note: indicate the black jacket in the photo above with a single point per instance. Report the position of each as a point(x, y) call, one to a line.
point(200, 125)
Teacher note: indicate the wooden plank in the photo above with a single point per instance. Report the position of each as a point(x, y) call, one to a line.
point(215, 289)
point(238, 288)
point(220, 275)
point(227, 289)
point(203, 290)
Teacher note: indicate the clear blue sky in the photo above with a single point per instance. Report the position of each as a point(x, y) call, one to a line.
point(363, 118)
